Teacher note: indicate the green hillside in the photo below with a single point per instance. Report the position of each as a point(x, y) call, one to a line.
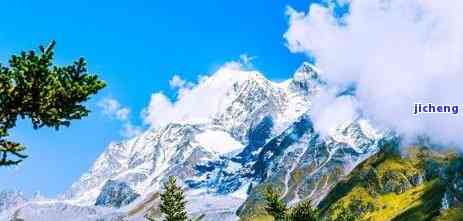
point(397, 186)
point(393, 186)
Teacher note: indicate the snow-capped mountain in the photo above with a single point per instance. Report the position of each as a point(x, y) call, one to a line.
point(10, 199)
point(261, 133)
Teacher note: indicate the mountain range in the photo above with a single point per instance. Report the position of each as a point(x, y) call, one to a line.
point(262, 134)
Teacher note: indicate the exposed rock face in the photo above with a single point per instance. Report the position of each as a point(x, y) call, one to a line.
point(417, 179)
point(307, 79)
point(116, 194)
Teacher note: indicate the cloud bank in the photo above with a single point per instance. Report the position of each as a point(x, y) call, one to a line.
point(396, 52)
point(331, 111)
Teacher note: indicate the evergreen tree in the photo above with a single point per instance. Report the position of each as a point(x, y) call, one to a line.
point(31, 86)
point(173, 201)
point(276, 207)
point(303, 211)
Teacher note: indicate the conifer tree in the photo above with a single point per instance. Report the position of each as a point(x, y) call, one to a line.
point(303, 211)
point(173, 201)
point(276, 207)
point(32, 87)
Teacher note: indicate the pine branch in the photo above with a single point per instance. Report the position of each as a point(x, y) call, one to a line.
point(11, 148)
point(49, 95)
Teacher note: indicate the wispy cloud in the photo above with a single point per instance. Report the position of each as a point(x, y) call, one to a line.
point(114, 110)
point(246, 59)
point(130, 130)
point(396, 52)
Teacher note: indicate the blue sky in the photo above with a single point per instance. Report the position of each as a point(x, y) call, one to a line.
point(136, 46)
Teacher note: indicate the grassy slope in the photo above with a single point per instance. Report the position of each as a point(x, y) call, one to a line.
point(452, 214)
point(418, 202)
point(367, 183)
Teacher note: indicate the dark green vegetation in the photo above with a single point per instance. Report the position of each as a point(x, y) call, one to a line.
point(389, 186)
point(172, 203)
point(278, 209)
point(31, 86)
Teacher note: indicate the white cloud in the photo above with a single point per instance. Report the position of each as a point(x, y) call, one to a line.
point(122, 113)
point(159, 110)
point(177, 82)
point(198, 103)
point(181, 86)
point(247, 59)
point(331, 112)
point(113, 109)
point(130, 130)
point(396, 52)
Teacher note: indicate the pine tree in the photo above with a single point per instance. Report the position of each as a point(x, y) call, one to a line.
point(276, 207)
point(173, 201)
point(303, 211)
point(31, 86)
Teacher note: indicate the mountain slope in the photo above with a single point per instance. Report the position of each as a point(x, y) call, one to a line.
point(389, 186)
point(259, 132)
point(305, 165)
point(10, 199)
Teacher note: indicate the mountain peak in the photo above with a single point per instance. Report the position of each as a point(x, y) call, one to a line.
point(230, 74)
point(306, 71)
point(306, 78)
